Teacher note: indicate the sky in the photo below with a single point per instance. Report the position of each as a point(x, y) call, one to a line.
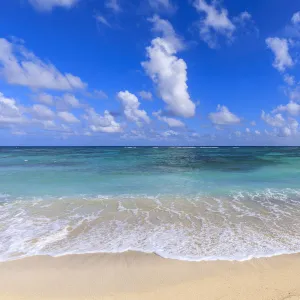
point(149, 72)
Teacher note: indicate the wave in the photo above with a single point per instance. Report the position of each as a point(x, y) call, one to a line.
point(239, 226)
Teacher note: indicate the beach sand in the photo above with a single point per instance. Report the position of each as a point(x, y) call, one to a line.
point(146, 276)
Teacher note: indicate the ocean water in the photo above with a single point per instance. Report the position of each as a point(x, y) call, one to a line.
point(188, 203)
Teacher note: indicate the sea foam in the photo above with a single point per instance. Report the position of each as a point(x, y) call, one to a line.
point(239, 226)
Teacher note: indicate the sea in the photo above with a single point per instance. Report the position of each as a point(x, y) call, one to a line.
point(185, 203)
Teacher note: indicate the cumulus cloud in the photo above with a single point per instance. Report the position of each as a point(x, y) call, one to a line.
point(296, 18)
point(280, 48)
point(162, 5)
point(67, 101)
point(291, 128)
point(293, 124)
point(172, 122)
point(10, 112)
point(257, 132)
point(292, 30)
point(40, 111)
point(238, 133)
point(282, 127)
point(167, 71)
point(131, 106)
point(243, 17)
point(165, 28)
point(48, 5)
point(105, 123)
point(292, 108)
point(67, 117)
point(285, 131)
point(169, 133)
point(62, 103)
point(99, 94)
point(216, 21)
point(289, 79)
point(21, 67)
point(274, 121)
point(114, 5)
point(145, 95)
point(223, 116)
point(96, 94)
point(248, 130)
point(44, 98)
point(294, 94)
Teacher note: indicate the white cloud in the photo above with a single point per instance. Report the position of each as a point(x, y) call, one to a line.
point(274, 121)
point(162, 5)
point(296, 18)
point(285, 131)
point(293, 123)
point(292, 108)
point(195, 135)
point(238, 133)
point(98, 123)
point(289, 79)
point(243, 17)
point(290, 129)
point(280, 48)
point(67, 101)
point(99, 94)
point(96, 94)
point(44, 98)
point(131, 106)
point(165, 28)
point(67, 117)
point(253, 123)
point(170, 133)
point(145, 95)
point(172, 122)
point(248, 130)
point(20, 67)
point(101, 19)
point(10, 113)
point(295, 94)
point(48, 124)
point(113, 5)
point(223, 116)
point(216, 21)
point(257, 132)
point(135, 135)
point(18, 132)
point(48, 5)
point(40, 111)
point(282, 127)
point(292, 30)
point(167, 71)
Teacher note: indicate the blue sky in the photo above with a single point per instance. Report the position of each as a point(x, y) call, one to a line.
point(151, 72)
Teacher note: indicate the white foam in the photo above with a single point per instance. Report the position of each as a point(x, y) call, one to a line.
point(241, 226)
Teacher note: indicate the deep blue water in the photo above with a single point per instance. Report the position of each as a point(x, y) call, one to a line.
point(107, 171)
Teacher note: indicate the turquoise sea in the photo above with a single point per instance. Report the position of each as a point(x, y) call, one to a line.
point(189, 203)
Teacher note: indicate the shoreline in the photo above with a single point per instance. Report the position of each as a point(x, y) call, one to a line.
point(140, 252)
point(135, 275)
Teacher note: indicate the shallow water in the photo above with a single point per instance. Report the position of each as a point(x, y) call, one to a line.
point(184, 203)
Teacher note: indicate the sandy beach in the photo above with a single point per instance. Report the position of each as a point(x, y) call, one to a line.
point(146, 276)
